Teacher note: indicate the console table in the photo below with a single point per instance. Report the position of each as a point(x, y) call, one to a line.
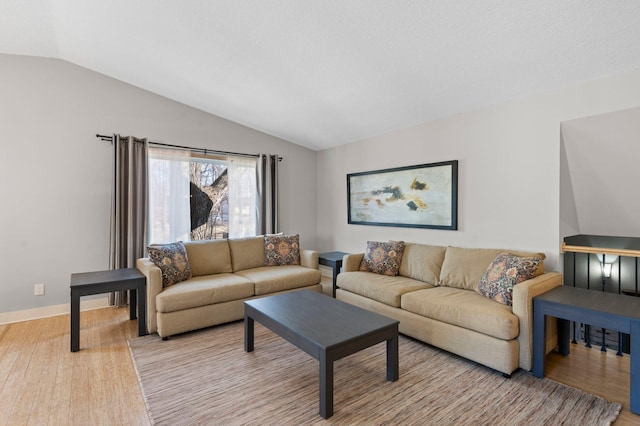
point(334, 260)
point(609, 310)
point(86, 283)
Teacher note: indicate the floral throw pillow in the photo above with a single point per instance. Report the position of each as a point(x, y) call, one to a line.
point(383, 258)
point(172, 261)
point(281, 250)
point(506, 271)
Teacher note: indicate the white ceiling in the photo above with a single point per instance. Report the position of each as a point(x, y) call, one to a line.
point(328, 72)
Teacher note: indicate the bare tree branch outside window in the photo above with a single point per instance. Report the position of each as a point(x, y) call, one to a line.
point(209, 200)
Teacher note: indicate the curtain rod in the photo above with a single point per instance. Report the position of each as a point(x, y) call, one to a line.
point(201, 150)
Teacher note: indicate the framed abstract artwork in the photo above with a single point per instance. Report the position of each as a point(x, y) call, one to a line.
point(423, 196)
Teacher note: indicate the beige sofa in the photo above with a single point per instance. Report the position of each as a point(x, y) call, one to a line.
point(225, 273)
point(434, 299)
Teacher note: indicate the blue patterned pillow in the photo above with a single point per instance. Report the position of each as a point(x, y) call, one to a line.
point(172, 261)
point(506, 271)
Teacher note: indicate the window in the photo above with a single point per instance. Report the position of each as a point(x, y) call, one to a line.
point(209, 198)
point(200, 197)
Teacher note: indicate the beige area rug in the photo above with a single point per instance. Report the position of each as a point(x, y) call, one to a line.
point(206, 378)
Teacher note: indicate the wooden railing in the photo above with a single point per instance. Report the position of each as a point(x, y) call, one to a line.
point(599, 250)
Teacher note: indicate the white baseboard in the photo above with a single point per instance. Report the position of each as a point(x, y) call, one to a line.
point(50, 311)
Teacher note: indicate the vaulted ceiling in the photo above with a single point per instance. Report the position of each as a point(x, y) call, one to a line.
point(328, 72)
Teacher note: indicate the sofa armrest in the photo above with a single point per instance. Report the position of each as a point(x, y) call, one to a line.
point(154, 287)
point(309, 259)
point(351, 262)
point(523, 295)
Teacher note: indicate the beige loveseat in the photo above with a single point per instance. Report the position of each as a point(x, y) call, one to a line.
point(434, 298)
point(225, 273)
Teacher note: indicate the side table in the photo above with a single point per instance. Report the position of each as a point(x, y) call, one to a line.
point(86, 283)
point(334, 260)
point(608, 310)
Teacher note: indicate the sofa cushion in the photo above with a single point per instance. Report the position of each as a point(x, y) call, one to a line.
point(382, 288)
point(463, 308)
point(270, 279)
point(246, 253)
point(208, 257)
point(506, 271)
point(172, 261)
point(204, 290)
point(464, 267)
point(383, 257)
point(422, 262)
point(281, 250)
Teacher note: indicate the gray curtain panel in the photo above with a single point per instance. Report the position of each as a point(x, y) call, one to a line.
point(267, 181)
point(128, 237)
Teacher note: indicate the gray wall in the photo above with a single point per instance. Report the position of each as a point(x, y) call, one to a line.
point(55, 175)
point(509, 170)
point(600, 175)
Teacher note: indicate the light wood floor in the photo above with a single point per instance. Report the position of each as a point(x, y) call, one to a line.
point(42, 382)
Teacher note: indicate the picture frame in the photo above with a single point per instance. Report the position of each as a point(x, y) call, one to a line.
point(421, 196)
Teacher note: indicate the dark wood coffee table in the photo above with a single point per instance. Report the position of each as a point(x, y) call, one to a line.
point(325, 328)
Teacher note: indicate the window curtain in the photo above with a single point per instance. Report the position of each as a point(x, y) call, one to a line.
point(267, 190)
point(243, 211)
point(170, 218)
point(128, 207)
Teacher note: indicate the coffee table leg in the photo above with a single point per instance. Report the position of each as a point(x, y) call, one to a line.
point(326, 386)
point(248, 334)
point(393, 369)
